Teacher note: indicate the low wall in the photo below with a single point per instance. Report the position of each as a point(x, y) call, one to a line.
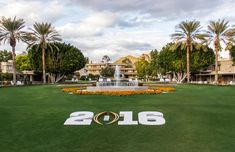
point(159, 84)
point(117, 88)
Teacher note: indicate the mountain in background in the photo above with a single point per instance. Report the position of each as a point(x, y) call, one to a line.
point(132, 59)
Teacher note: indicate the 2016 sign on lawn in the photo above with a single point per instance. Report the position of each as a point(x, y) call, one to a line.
point(123, 118)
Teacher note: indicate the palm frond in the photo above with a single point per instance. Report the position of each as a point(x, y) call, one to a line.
point(188, 32)
point(44, 34)
point(220, 30)
point(11, 30)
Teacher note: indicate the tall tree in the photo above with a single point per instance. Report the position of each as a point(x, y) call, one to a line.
point(141, 67)
point(60, 61)
point(5, 56)
point(11, 32)
point(106, 59)
point(107, 71)
point(232, 53)
point(23, 62)
point(219, 31)
point(44, 36)
point(187, 33)
point(175, 61)
point(153, 67)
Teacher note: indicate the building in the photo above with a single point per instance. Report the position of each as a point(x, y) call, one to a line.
point(126, 64)
point(7, 67)
point(226, 73)
point(126, 70)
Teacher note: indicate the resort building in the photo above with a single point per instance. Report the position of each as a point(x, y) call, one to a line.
point(126, 64)
point(226, 73)
point(7, 67)
point(126, 70)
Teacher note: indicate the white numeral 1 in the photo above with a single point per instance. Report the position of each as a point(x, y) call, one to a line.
point(127, 118)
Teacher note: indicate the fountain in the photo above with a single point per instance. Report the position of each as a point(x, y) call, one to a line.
point(117, 75)
point(117, 84)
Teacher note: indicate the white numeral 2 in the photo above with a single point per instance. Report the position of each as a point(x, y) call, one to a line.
point(80, 118)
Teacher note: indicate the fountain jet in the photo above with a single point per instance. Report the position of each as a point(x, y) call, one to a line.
point(117, 75)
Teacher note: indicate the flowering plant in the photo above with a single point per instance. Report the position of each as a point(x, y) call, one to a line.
point(151, 91)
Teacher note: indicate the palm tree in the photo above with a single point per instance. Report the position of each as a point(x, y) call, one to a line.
point(105, 59)
point(43, 35)
point(218, 31)
point(187, 32)
point(11, 32)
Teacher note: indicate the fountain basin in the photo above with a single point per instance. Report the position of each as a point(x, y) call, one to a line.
point(117, 85)
point(117, 88)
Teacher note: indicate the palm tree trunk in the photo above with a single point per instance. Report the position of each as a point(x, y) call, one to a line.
point(14, 65)
point(216, 62)
point(188, 68)
point(43, 66)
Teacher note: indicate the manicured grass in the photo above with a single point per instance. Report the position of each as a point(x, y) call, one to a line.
point(198, 119)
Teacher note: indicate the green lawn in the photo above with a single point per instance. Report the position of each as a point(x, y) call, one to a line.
point(198, 119)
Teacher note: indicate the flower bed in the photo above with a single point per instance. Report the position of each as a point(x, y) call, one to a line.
point(151, 91)
point(163, 89)
point(73, 89)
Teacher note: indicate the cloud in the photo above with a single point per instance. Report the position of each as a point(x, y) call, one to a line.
point(129, 20)
point(20, 47)
point(93, 25)
point(223, 11)
point(33, 10)
point(120, 43)
point(134, 45)
point(157, 8)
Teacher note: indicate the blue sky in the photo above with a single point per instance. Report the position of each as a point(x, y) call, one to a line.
point(116, 27)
